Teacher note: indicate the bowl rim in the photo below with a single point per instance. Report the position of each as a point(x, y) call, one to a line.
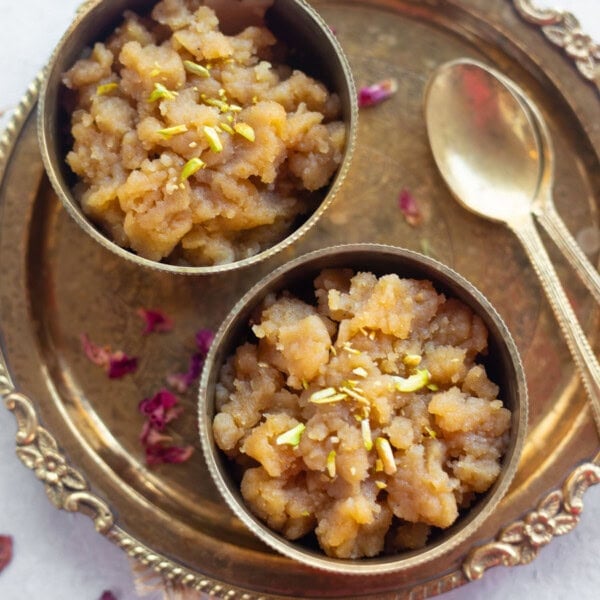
point(45, 121)
point(385, 564)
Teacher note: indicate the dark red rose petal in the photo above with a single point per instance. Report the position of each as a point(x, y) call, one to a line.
point(155, 321)
point(108, 595)
point(204, 340)
point(6, 551)
point(158, 454)
point(120, 365)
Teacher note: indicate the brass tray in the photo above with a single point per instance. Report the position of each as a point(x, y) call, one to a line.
point(79, 431)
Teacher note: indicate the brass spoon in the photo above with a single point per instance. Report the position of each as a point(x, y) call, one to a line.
point(543, 205)
point(488, 148)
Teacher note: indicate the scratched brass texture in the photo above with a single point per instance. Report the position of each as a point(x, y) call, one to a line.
point(58, 283)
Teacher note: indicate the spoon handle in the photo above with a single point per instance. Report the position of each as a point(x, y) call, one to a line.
point(581, 351)
point(554, 225)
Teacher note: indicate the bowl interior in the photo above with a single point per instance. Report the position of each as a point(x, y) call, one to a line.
point(311, 45)
point(502, 364)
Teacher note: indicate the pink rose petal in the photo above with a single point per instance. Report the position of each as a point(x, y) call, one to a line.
point(116, 364)
point(410, 208)
point(376, 93)
point(155, 321)
point(182, 381)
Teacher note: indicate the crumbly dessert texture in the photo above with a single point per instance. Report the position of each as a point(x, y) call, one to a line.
point(195, 146)
point(366, 417)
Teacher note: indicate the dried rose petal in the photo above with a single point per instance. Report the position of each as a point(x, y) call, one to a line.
point(6, 551)
point(204, 339)
point(158, 454)
point(151, 436)
point(162, 399)
point(108, 595)
point(120, 364)
point(410, 208)
point(376, 93)
point(155, 320)
point(99, 355)
point(182, 381)
point(116, 364)
point(160, 409)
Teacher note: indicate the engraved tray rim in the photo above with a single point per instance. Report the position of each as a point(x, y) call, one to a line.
point(513, 545)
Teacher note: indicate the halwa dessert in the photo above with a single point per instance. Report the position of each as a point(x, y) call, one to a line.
point(364, 418)
point(195, 146)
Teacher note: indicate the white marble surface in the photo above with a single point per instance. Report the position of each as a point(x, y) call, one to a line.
point(59, 556)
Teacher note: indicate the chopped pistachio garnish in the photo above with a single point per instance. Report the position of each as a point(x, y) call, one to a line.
point(196, 69)
point(155, 72)
point(365, 428)
point(322, 394)
point(381, 484)
point(385, 453)
point(107, 88)
point(304, 384)
point(161, 93)
point(229, 118)
point(433, 387)
point(333, 350)
point(329, 399)
point(360, 372)
point(220, 104)
point(214, 141)
point(254, 99)
point(222, 93)
point(169, 132)
point(378, 465)
point(430, 432)
point(353, 393)
point(412, 360)
point(235, 108)
point(305, 513)
point(348, 348)
point(226, 128)
point(413, 383)
point(245, 131)
point(191, 166)
point(291, 437)
point(331, 463)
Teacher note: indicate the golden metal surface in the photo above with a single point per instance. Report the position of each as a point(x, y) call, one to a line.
point(57, 283)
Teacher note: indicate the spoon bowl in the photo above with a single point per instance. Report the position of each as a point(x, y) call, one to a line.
point(492, 169)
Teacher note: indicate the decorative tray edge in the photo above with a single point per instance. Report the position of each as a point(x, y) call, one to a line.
point(518, 543)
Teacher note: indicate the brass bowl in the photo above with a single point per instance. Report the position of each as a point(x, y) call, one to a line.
point(316, 51)
point(297, 276)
